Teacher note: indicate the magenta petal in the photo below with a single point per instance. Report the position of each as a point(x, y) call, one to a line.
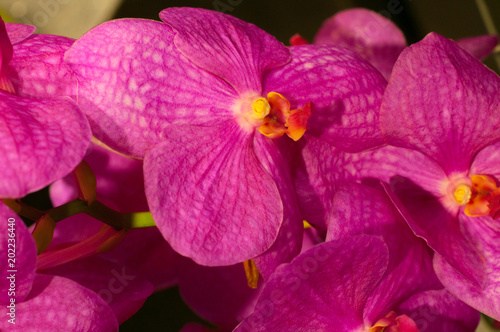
point(19, 32)
point(5, 48)
point(34, 134)
point(439, 310)
point(485, 231)
point(289, 240)
point(60, 304)
point(439, 227)
point(133, 83)
point(371, 35)
point(443, 102)
point(18, 249)
point(359, 209)
point(123, 289)
point(237, 51)
point(38, 67)
point(345, 89)
point(211, 197)
point(120, 181)
point(479, 47)
point(200, 285)
point(321, 290)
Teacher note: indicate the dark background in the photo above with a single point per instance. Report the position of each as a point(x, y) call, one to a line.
point(165, 311)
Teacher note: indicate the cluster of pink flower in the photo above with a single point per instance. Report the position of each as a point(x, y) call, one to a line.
point(377, 211)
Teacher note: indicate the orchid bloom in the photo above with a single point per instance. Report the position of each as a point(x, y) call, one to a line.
point(379, 41)
point(336, 285)
point(440, 166)
point(204, 99)
point(42, 139)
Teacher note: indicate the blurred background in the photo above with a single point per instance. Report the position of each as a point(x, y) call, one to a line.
point(165, 311)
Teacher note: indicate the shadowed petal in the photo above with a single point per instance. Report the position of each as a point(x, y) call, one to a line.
point(359, 209)
point(289, 241)
point(479, 47)
point(60, 304)
point(345, 89)
point(439, 310)
point(371, 35)
point(486, 233)
point(200, 285)
point(123, 289)
point(134, 83)
point(19, 251)
point(320, 290)
point(237, 51)
point(40, 141)
point(442, 102)
point(211, 197)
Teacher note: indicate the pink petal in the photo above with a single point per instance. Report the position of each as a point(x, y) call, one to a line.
point(123, 289)
point(345, 89)
point(485, 233)
point(134, 83)
point(211, 197)
point(442, 102)
point(320, 290)
point(19, 32)
point(479, 47)
point(34, 134)
point(60, 304)
point(19, 250)
point(38, 68)
point(439, 310)
point(238, 52)
point(200, 285)
point(371, 35)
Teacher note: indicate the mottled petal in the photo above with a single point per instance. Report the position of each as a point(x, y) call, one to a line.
point(442, 102)
point(289, 240)
point(211, 197)
point(439, 310)
point(429, 219)
point(300, 297)
point(38, 70)
point(19, 250)
point(134, 83)
point(371, 35)
point(486, 162)
point(123, 289)
point(59, 304)
point(359, 209)
point(486, 297)
point(19, 32)
point(237, 51)
point(200, 285)
point(345, 89)
point(479, 47)
point(40, 141)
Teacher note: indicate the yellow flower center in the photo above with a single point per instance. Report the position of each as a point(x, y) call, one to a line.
point(462, 194)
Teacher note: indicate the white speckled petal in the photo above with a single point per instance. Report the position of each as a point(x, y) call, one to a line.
point(38, 70)
point(345, 89)
point(40, 141)
point(59, 304)
point(237, 51)
point(442, 102)
point(373, 36)
point(134, 84)
point(19, 250)
point(211, 197)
